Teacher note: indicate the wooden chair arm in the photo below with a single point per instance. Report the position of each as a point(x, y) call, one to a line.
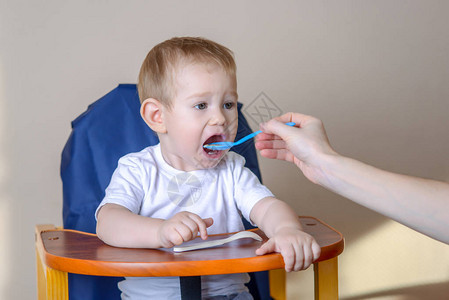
point(83, 253)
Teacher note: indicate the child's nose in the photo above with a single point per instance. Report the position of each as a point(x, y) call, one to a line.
point(218, 118)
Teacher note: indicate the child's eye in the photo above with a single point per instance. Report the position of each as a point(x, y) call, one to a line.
point(228, 105)
point(201, 106)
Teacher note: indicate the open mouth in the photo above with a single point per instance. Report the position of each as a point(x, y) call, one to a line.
point(213, 139)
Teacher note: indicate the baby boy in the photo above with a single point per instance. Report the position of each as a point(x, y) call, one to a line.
point(188, 90)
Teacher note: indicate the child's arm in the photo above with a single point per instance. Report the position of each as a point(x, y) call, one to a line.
point(282, 227)
point(119, 227)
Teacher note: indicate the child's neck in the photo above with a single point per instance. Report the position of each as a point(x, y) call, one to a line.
point(173, 159)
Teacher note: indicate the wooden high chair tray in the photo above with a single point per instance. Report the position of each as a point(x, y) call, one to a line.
point(83, 253)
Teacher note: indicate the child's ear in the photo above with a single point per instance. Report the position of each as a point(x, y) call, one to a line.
point(151, 111)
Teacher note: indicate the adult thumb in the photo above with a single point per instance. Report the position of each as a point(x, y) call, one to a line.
point(278, 128)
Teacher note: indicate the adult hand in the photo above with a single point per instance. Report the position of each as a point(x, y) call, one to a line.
point(306, 144)
point(418, 203)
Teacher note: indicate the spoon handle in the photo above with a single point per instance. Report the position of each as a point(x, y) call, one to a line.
point(208, 244)
point(249, 136)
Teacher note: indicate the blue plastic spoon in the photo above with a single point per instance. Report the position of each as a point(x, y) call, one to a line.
point(227, 145)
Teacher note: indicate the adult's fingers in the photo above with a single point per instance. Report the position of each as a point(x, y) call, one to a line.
point(264, 136)
point(273, 144)
point(281, 154)
point(277, 128)
point(277, 125)
point(298, 118)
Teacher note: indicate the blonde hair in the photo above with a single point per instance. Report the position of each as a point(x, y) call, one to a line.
point(158, 71)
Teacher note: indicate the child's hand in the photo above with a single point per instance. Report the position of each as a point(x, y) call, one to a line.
point(183, 227)
point(298, 248)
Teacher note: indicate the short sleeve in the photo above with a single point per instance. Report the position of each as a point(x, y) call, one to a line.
point(247, 188)
point(127, 185)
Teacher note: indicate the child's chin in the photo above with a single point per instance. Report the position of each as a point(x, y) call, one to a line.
point(211, 161)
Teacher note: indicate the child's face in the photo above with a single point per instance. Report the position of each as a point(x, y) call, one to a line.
point(203, 111)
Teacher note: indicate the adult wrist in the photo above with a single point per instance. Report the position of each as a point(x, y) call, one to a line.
point(326, 166)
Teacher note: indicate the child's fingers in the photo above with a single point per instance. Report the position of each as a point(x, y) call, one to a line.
point(298, 252)
point(316, 250)
point(292, 257)
point(308, 254)
point(203, 225)
point(307, 258)
point(185, 232)
point(196, 225)
point(200, 225)
point(182, 227)
point(287, 251)
point(267, 247)
point(173, 238)
point(208, 222)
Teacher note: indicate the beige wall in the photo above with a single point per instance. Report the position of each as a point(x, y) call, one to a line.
point(376, 72)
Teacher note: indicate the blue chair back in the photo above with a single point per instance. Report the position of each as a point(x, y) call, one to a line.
point(110, 128)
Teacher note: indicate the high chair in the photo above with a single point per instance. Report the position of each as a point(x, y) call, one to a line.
point(74, 262)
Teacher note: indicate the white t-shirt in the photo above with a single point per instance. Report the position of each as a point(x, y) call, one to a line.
point(146, 185)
